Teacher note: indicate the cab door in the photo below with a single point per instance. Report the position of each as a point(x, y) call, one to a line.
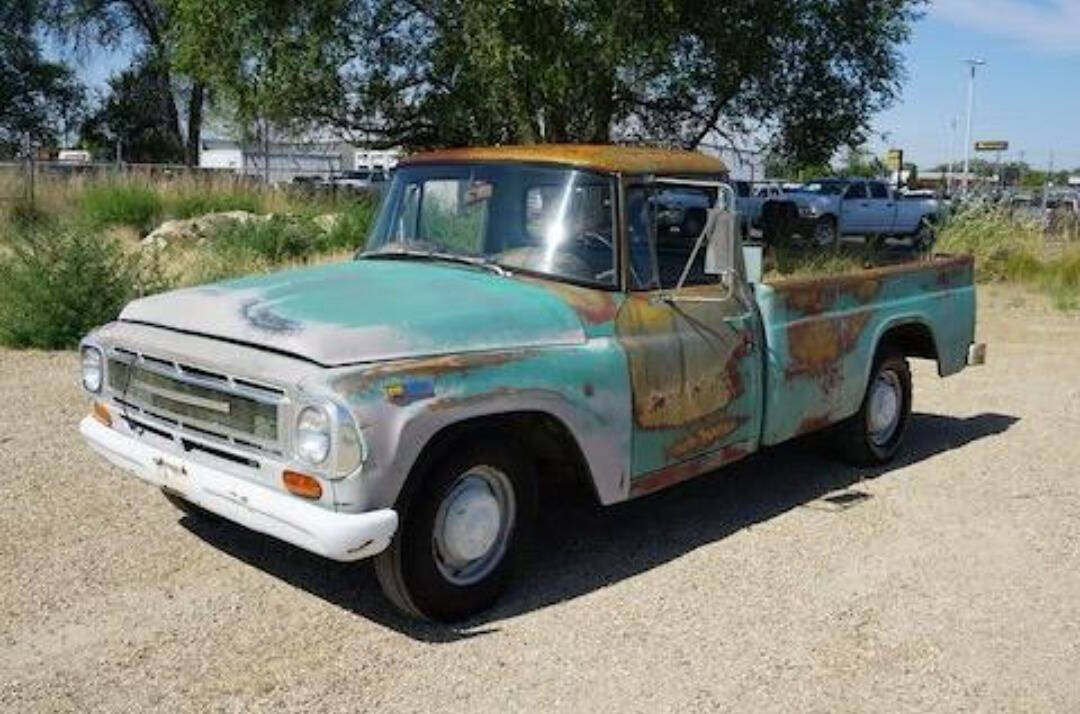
point(855, 211)
point(695, 372)
point(882, 215)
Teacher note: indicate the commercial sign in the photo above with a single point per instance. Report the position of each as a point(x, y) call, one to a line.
point(991, 145)
point(894, 159)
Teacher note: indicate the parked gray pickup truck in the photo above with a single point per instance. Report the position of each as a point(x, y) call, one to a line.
point(826, 209)
point(520, 316)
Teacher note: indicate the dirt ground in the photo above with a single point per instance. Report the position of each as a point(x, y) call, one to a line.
point(949, 581)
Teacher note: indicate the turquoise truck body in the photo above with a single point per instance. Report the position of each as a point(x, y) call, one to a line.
point(648, 398)
point(201, 391)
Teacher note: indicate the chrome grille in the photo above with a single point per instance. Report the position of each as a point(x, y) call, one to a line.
point(202, 402)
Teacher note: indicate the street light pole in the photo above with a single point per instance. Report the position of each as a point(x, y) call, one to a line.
point(972, 63)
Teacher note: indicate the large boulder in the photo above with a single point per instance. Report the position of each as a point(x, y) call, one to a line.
point(327, 222)
point(194, 229)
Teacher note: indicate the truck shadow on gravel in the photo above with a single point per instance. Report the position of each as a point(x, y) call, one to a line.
point(582, 547)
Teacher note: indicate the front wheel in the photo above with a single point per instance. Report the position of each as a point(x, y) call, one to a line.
point(465, 522)
point(825, 232)
point(873, 435)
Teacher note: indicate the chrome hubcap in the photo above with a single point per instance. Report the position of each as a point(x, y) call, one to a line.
point(883, 412)
point(473, 525)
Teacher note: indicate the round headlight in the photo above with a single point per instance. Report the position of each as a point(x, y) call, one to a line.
point(91, 369)
point(313, 435)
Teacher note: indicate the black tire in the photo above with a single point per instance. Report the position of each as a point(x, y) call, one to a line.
point(826, 233)
point(409, 569)
point(855, 437)
point(190, 509)
point(924, 237)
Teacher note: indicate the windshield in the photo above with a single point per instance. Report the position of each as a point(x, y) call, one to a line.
point(551, 221)
point(827, 187)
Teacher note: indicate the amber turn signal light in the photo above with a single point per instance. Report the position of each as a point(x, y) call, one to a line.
point(102, 414)
point(302, 485)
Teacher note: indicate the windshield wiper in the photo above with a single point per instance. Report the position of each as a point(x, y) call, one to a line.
point(434, 255)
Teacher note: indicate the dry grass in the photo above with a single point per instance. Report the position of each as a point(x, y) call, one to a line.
point(1008, 249)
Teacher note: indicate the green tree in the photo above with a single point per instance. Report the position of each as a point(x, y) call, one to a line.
point(806, 74)
point(137, 113)
point(112, 23)
point(38, 98)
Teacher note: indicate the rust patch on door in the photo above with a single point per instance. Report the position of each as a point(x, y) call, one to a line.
point(704, 436)
point(683, 359)
point(670, 475)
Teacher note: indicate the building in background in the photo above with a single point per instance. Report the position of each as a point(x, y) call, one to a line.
point(285, 161)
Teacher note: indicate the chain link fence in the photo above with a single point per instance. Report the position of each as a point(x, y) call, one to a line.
point(25, 184)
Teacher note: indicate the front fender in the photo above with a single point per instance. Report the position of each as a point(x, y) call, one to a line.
point(401, 406)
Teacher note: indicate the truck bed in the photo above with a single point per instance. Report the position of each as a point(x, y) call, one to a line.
point(821, 334)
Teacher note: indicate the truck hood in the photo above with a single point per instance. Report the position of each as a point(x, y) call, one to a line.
point(370, 310)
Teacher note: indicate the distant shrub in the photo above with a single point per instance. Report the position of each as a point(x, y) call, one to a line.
point(1010, 250)
point(58, 283)
point(25, 214)
point(351, 230)
point(276, 240)
point(122, 203)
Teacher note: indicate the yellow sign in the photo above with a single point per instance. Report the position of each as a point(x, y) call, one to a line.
point(894, 158)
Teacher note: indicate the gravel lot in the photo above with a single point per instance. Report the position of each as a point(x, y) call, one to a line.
point(949, 581)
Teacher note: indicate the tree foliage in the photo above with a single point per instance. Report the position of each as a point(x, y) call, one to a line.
point(37, 97)
point(112, 23)
point(804, 76)
point(137, 111)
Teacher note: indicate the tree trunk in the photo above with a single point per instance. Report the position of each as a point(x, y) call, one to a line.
point(194, 124)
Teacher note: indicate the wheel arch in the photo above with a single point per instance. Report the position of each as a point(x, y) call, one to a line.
point(909, 335)
point(546, 437)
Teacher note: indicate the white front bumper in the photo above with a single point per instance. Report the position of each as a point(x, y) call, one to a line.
point(335, 535)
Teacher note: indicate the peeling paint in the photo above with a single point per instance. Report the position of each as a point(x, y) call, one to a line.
point(358, 382)
point(815, 346)
point(595, 307)
point(704, 436)
point(813, 423)
point(681, 360)
point(671, 475)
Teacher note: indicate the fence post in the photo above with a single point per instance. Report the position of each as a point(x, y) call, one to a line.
point(29, 168)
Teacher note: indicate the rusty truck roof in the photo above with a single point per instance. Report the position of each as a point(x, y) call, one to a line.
point(601, 157)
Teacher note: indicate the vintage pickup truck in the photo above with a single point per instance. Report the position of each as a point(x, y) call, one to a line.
point(519, 317)
point(826, 209)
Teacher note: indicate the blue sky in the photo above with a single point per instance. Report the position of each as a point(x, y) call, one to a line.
point(1028, 93)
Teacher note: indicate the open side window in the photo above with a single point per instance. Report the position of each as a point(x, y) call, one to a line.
point(680, 233)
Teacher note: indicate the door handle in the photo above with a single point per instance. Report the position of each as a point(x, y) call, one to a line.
point(864, 204)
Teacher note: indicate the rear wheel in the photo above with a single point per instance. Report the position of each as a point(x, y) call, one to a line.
point(465, 522)
point(873, 435)
point(924, 238)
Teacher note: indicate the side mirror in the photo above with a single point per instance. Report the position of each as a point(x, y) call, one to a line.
point(753, 256)
point(720, 249)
